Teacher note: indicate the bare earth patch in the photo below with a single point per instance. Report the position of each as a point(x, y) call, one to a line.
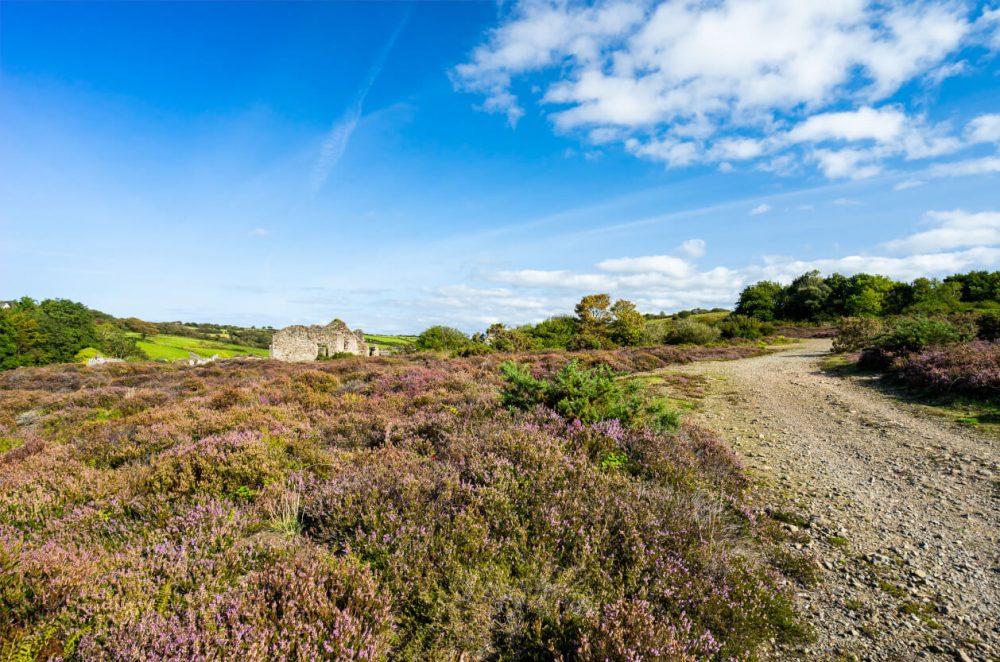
point(900, 509)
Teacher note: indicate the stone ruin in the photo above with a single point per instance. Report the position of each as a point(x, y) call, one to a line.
point(101, 360)
point(310, 343)
point(194, 359)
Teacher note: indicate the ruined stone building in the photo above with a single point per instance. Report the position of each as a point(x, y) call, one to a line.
point(309, 343)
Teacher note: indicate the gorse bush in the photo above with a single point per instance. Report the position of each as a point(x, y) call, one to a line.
point(912, 334)
point(690, 332)
point(742, 326)
point(857, 333)
point(586, 395)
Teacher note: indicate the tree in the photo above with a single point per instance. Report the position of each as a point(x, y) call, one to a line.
point(112, 341)
point(628, 323)
point(594, 318)
point(502, 339)
point(760, 300)
point(143, 328)
point(840, 291)
point(931, 296)
point(556, 332)
point(68, 326)
point(593, 313)
point(866, 303)
point(442, 338)
point(8, 348)
point(866, 295)
point(29, 339)
point(806, 297)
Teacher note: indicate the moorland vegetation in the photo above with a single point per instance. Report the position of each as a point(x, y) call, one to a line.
point(415, 507)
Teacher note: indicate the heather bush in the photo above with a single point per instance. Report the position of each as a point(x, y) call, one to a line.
point(374, 509)
point(690, 332)
point(970, 368)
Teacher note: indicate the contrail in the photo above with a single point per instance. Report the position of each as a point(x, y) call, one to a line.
point(339, 135)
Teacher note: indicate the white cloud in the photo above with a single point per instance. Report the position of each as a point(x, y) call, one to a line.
point(694, 248)
point(981, 166)
point(864, 123)
point(660, 264)
point(556, 278)
point(847, 163)
point(729, 80)
point(946, 71)
point(984, 129)
point(847, 202)
point(987, 28)
point(907, 184)
point(954, 229)
point(260, 232)
point(955, 241)
point(762, 208)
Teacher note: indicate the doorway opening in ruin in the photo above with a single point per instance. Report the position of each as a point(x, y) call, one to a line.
point(322, 351)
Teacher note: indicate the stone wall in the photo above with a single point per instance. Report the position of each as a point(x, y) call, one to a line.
point(308, 343)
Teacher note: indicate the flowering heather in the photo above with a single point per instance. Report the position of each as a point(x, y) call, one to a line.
point(366, 509)
point(971, 368)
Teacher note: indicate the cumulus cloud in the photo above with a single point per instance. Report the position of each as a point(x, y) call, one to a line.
point(694, 247)
point(762, 208)
point(651, 75)
point(953, 229)
point(984, 129)
point(953, 241)
point(865, 123)
point(660, 264)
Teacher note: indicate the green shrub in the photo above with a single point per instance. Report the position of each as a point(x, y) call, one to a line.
point(989, 325)
point(912, 334)
point(690, 332)
point(857, 333)
point(442, 338)
point(588, 395)
point(741, 326)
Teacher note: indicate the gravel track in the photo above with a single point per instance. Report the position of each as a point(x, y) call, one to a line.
point(901, 509)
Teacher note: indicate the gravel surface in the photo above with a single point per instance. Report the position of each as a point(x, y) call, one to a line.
point(901, 510)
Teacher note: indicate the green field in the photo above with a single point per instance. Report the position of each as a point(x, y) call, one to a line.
point(170, 348)
point(391, 342)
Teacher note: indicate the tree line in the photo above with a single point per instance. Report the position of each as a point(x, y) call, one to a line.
point(55, 331)
point(814, 298)
point(598, 323)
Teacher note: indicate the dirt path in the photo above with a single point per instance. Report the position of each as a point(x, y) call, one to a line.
point(902, 510)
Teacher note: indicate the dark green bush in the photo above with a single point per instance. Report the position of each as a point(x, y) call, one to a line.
point(857, 333)
point(690, 332)
point(442, 338)
point(989, 325)
point(912, 334)
point(588, 395)
point(741, 326)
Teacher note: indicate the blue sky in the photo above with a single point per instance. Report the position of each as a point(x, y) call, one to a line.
point(401, 165)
